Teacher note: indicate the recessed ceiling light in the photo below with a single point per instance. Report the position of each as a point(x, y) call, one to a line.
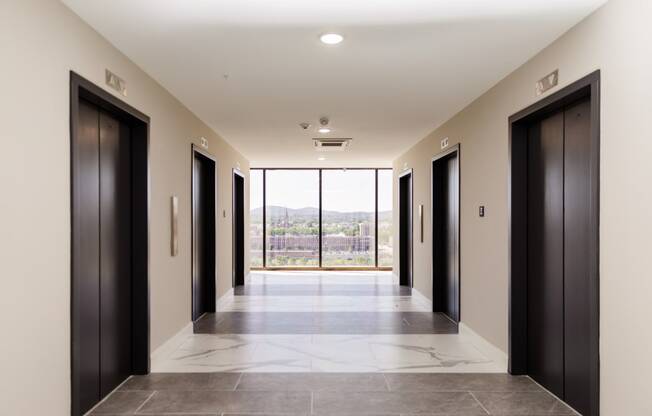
point(322, 158)
point(331, 38)
point(324, 130)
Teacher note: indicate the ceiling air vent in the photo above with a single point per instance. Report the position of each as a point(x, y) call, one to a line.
point(331, 145)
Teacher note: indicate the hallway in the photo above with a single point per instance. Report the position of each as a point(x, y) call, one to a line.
point(335, 343)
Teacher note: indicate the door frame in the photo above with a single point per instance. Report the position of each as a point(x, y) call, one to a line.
point(237, 172)
point(196, 150)
point(455, 149)
point(587, 87)
point(407, 172)
point(81, 88)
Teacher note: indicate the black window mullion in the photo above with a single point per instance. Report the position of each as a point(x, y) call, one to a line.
point(376, 223)
point(264, 218)
point(320, 220)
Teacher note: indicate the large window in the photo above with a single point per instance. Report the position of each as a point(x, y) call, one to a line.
point(385, 231)
point(348, 217)
point(256, 218)
point(292, 218)
point(321, 217)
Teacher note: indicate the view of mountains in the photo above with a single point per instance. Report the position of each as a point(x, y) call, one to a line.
point(313, 212)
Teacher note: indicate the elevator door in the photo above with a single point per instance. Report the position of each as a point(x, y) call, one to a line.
point(445, 236)
point(105, 284)
point(203, 223)
point(238, 230)
point(558, 254)
point(405, 229)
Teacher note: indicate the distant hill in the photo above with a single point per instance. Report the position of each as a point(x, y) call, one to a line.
point(313, 212)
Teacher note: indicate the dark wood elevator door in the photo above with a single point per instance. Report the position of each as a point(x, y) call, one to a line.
point(445, 236)
point(558, 254)
point(405, 230)
point(115, 252)
point(203, 278)
point(238, 230)
point(577, 259)
point(546, 253)
point(106, 282)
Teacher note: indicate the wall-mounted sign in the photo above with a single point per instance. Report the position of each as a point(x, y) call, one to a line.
point(115, 82)
point(549, 81)
point(174, 226)
point(421, 223)
point(444, 143)
point(203, 142)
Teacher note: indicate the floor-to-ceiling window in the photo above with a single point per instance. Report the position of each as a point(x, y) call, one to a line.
point(292, 218)
point(385, 231)
point(256, 228)
point(321, 218)
point(348, 217)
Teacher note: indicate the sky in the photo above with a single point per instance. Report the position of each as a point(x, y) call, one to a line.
point(344, 191)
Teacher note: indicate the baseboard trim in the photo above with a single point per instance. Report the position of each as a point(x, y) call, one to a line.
point(487, 348)
point(422, 299)
point(173, 343)
point(228, 296)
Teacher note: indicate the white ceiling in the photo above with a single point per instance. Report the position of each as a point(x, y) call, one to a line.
point(404, 67)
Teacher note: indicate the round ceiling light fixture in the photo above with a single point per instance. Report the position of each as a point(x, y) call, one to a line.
point(331, 38)
point(321, 158)
point(324, 130)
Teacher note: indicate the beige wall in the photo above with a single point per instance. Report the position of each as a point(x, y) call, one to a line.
point(617, 39)
point(40, 42)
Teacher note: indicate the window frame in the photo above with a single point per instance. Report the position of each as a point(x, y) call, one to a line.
point(320, 190)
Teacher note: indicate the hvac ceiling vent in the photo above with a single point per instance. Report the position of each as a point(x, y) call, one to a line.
point(331, 145)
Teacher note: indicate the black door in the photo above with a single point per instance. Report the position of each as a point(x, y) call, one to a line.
point(445, 235)
point(546, 253)
point(405, 229)
point(203, 231)
point(577, 257)
point(102, 343)
point(238, 230)
point(558, 254)
point(115, 252)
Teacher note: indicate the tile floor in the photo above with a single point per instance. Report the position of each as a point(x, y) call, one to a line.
point(327, 343)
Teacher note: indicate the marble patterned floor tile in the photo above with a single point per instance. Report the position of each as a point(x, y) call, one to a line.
point(446, 356)
point(325, 353)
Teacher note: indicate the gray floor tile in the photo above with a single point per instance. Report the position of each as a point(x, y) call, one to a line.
point(522, 403)
point(122, 403)
point(456, 403)
point(182, 381)
point(313, 382)
point(325, 323)
point(228, 402)
point(460, 382)
point(322, 290)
